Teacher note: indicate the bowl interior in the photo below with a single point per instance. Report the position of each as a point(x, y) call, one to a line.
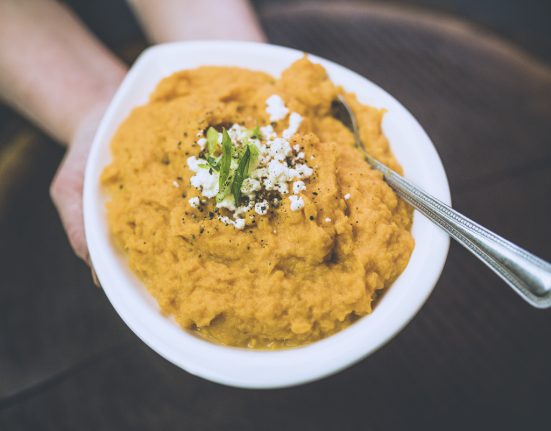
point(240, 367)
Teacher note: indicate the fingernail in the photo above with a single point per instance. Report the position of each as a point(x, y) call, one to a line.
point(94, 277)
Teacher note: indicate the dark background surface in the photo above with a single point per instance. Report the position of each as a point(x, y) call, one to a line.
point(526, 23)
point(476, 356)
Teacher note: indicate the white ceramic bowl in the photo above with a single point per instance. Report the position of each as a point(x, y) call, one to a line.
point(241, 367)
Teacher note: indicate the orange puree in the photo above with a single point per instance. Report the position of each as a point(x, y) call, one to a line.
point(291, 278)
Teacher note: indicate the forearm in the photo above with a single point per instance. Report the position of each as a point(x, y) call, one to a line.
point(51, 68)
point(172, 20)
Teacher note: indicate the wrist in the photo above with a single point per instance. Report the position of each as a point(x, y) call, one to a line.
point(177, 20)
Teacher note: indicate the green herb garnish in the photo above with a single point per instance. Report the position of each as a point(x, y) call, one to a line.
point(253, 162)
point(212, 140)
point(213, 163)
point(210, 163)
point(255, 133)
point(225, 165)
point(241, 173)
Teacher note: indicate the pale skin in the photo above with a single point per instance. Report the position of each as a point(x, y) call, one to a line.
point(56, 73)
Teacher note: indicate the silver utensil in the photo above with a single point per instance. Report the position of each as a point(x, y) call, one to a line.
point(527, 274)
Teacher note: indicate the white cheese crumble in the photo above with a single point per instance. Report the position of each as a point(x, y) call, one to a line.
point(236, 132)
point(238, 223)
point(279, 149)
point(202, 142)
point(250, 185)
point(228, 202)
point(328, 219)
point(205, 179)
point(297, 203)
point(303, 170)
point(294, 123)
point(298, 186)
point(276, 108)
point(347, 196)
point(175, 183)
point(268, 132)
point(261, 208)
point(194, 202)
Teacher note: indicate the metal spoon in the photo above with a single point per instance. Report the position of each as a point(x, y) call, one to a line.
point(527, 274)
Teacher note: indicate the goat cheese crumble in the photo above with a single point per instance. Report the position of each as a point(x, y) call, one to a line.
point(276, 108)
point(297, 203)
point(202, 142)
point(238, 223)
point(298, 186)
point(194, 202)
point(294, 123)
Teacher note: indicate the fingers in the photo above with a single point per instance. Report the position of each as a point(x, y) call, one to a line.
point(95, 277)
point(66, 188)
point(66, 193)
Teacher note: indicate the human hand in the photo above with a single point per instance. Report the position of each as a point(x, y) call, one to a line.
point(67, 77)
point(60, 76)
point(66, 187)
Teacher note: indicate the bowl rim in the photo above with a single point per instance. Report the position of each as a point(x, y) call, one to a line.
point(235, 366)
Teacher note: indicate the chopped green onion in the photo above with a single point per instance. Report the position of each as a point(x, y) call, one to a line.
point(254, 157)
point(255, 133)
point(209, 163)
point(212, 140)
point(241, 173)
point(225, 165)
point(213, 163)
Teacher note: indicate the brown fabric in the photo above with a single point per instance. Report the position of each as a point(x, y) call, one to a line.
point(476, 356)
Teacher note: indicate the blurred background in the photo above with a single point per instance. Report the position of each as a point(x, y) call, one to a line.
point(476, 75)
point(525, 23)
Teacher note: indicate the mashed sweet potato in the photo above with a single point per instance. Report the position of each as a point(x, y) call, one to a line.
point(294, 276)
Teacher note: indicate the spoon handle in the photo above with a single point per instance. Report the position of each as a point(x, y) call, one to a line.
point(527, 274)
